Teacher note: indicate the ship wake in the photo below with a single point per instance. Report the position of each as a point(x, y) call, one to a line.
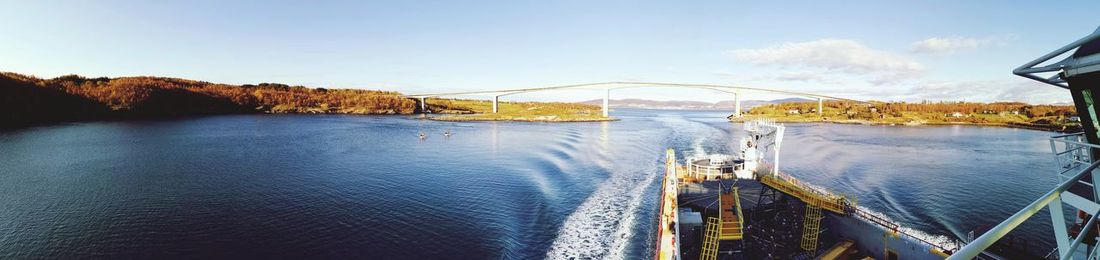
point(603, 224)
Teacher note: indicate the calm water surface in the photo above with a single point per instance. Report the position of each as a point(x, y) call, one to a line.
point(366, 187)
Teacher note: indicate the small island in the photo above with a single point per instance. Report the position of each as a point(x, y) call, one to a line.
point(1061, 118)
point(479, 110)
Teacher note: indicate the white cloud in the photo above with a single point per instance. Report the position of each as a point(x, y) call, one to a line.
point(835, 56)
point(949, 45)
point(1022, 90)
point(801, 76)
point(793, 76)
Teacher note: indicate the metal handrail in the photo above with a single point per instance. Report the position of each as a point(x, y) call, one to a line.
point(1077, 143)
point(1067, 135)
point(1028, 70)
point(1069, 150)
point(1070, 158)
point(974, 248)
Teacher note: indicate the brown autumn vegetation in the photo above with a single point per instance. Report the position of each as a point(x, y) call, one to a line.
point(1057, 117)
point(27, 99)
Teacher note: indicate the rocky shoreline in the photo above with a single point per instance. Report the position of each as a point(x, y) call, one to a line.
point(1052, 128)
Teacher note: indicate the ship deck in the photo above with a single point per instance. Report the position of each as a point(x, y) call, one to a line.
point(776, 216)
point(772, 222)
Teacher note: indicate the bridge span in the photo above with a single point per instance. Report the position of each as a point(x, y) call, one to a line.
point(609, 86)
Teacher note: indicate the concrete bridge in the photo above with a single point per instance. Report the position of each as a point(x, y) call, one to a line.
point(737, 91)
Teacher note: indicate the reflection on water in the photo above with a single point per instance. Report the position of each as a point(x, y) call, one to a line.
point(367, 187)
point(604, 140)
point(494, 130)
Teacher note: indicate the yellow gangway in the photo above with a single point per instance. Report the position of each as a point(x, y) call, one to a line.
point(729, 203)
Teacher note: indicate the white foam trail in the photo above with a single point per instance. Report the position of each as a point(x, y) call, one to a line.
point(700, 133)
point(697, 147)
point(626, 230)
point(603, 224)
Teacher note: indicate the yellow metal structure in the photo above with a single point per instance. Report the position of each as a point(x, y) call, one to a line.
point(811, 227)
point(682, 174)
point(730, 215)
point(811, 196)
point(710, 240)
point(839, 251)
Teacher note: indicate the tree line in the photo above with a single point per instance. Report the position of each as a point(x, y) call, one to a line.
point(28, 99)
point(896, 108)
point(925, 111)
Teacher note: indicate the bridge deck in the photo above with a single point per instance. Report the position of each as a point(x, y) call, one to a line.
point(625, 85)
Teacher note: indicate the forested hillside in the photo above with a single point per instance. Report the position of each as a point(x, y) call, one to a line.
point(26, 99)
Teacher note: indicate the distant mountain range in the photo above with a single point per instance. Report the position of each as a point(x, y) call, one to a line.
point(689, 105)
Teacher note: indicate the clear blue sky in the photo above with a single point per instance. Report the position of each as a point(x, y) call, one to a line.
point(937, 50)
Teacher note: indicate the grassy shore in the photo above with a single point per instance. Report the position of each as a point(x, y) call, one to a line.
point(1017, 115)
point(478, 110)
point(1044, 127)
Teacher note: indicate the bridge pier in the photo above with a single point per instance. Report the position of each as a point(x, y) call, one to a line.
point(605, 101)
point(496, 100)
point(819, 112)
point(737, 104)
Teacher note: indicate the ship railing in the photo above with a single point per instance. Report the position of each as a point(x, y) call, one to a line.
point(706, 170)
point(668, 248)
point(826, 199)
point(808, 193)
point(886, 224)
point(1071, 159)
point(760, 125)
point(1066, 249)
point(1071, 152)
